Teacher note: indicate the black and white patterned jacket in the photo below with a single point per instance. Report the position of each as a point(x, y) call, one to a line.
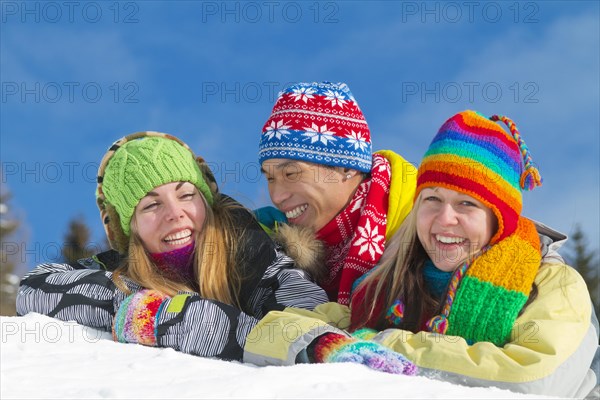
point(85, 293)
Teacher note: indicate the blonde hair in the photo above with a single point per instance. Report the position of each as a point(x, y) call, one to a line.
point(398, 276)
point(215, 260)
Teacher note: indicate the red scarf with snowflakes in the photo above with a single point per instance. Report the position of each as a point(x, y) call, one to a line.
point(355, 238)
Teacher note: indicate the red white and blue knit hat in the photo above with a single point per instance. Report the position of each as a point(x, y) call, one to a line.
point(318, 122)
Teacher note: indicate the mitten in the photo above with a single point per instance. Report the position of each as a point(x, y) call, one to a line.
point(333, 347)
point(135, 319)
point(270, 217)
point(364, 334)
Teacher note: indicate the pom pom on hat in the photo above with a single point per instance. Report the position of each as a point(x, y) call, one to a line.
point(474, 155)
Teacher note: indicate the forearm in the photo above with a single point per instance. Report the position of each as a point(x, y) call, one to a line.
point(550, 351)
point(186, 323)
point(59, 291)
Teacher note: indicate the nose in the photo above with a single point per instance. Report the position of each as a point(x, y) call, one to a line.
point(279, 193)
point(173, 210)
point(447, 215)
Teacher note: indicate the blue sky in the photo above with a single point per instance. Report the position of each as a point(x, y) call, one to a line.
point(77, 76)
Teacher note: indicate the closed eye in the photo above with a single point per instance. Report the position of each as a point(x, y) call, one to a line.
point(188, 196)
point(292, 175)
point(268, 177)
point(150, 206)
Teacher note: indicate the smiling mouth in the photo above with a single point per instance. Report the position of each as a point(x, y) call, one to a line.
point(449, 239)
point(178, 238)
point(296, 212)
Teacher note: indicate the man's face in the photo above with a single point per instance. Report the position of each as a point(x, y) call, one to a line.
point(309, 194)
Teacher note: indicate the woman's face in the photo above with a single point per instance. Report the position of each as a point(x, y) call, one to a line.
point(309, 194)
point(451, 226)
point(169, 216)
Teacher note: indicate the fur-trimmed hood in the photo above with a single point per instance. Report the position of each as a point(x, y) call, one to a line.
point(304, 248)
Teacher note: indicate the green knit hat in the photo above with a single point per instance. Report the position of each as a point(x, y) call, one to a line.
point(136, 164)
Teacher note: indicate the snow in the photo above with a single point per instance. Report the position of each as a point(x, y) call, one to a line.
point(42, 357)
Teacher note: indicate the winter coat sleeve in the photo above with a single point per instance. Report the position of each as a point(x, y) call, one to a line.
point(284, 286)
point(61, 291)
point(90, 297)
point(206, 328)
point(550, 353)
point(271, 279)
point(402, 190)
point(282, 337)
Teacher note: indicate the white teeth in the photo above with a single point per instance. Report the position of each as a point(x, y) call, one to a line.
point(180, 241)
point(179, 238)
point(448, 239)
point(295, 213)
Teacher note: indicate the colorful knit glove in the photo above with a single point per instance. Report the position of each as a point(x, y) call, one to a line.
point(135, 320)
point(364, 334)
point(333, 347)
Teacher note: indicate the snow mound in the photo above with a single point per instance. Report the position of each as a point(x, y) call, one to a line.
point(42, 357)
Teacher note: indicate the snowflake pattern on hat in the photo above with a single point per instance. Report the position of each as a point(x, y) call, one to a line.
point(319, 123)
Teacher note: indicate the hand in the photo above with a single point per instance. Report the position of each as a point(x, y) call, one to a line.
point(270, 216)
point(135, 320)
point(333, 347)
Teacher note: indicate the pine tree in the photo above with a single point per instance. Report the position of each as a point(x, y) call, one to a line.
point(586, 262)
point(77, 242)
point(9, 282)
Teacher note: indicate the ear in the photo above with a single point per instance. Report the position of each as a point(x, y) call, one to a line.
point(105, 221)
point(115, 234)
point(350, 171)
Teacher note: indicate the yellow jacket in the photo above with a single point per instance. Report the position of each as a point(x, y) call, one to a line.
point(402, 190)
point(552, 343)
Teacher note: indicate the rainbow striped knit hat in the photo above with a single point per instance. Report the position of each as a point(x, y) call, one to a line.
point(318, 122)
point(472, 154)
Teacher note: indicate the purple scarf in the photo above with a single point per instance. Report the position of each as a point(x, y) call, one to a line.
point(176, 265)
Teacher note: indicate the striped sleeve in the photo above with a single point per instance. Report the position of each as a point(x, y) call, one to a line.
point(208, 328)
point(60, 291)
point(203, 327)
point(284, 286)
